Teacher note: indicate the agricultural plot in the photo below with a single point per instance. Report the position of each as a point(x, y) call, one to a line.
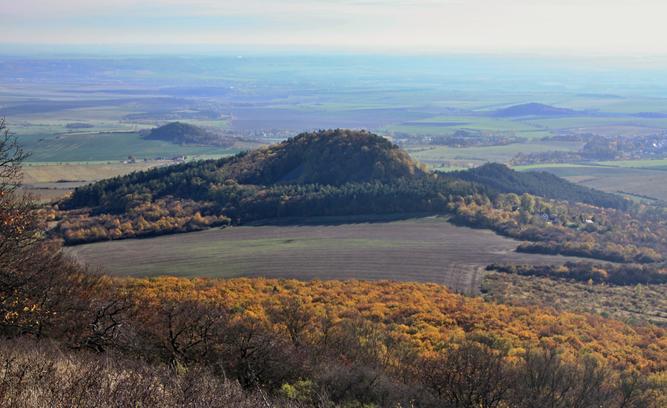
point(51, 181)
point(439, 156)
point(54, 172)
point(426, 249)
point(645, 183)
point(584, 123)
point(445, 125)
point(82, 147)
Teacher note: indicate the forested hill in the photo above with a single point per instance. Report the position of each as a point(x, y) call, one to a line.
point(499, 178)
point(334, 158)
point(331, 157)
point(332, 173)
point(185, 133)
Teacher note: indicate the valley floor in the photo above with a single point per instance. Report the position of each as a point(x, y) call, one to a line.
point(421, 249)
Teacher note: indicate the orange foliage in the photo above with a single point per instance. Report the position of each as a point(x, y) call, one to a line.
point(427, 315)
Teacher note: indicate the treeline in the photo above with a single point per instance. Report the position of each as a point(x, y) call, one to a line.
point(237, 204)
point(552, 227)
point(607, 252)
point(589, 272)
point(198, 180)
point(164, 216)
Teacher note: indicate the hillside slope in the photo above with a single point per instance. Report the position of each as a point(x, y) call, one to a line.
point(499, 178)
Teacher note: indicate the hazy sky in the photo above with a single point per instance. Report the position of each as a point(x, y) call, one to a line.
point(564, 26)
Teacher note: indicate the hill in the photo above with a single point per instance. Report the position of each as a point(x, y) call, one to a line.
point(501, 179)
point(533, 109)
point(185, 133)
point(332, 157)
point(353, 173)
point(335, 158)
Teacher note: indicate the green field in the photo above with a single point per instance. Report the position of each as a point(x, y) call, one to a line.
point(447, 125)
point(657, 164)
point(435, 156)
point(116, 146)
point(597, 121)
point(425, 249)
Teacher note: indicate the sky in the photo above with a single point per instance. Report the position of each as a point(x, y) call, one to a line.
point(610, 27)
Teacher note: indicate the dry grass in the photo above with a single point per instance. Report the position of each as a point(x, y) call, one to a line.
point(53, 173)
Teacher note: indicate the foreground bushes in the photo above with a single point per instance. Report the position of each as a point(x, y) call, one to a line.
point(45, 374)
point(473, 375)
point(328, 344)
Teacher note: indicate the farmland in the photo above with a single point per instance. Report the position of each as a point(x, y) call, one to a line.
point(436, 156)
point(102, 146)
point(424, 249)
point(446, 125)
point(49, 181)
point(642, 179)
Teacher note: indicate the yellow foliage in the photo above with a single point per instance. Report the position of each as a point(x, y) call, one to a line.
point(427, 315)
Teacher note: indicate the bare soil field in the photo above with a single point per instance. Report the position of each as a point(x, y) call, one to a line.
point(425, 249)
point(53, 173)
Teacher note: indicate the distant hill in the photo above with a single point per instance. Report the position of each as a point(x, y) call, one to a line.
point(533, 109)
point(78, 125)
point(501, 179)
point(185, 133)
